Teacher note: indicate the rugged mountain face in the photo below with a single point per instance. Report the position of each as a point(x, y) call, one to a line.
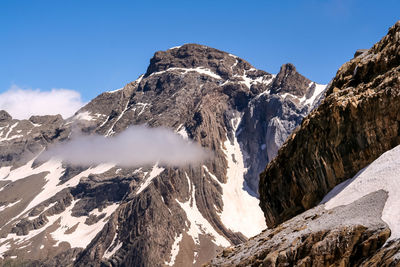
point(348, 146)
point(56, 214)
point(356, 123)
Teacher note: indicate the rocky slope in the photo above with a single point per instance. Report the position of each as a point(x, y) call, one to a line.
point(356, 224)
point(315, 239)
point(348, 146)
point(52, 213)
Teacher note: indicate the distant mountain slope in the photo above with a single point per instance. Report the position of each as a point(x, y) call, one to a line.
point(56, 214)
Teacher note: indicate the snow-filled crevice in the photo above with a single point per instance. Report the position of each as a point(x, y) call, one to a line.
point(241, 211)
point(174, 250)
point(200, 70)
point(199, 225)
point(155, 171)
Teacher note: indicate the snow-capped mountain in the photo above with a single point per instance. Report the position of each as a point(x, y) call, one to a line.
point(53, 213)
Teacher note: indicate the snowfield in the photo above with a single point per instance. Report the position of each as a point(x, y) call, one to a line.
point(382, 174)
point(241, 211)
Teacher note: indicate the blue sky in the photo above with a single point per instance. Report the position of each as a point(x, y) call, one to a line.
point(95, 46)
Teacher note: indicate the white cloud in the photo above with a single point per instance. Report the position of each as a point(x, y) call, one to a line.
point(136, 146)
point(23, 103)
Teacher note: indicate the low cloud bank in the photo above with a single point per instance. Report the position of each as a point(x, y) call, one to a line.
point(136, 146)
point(23, 103)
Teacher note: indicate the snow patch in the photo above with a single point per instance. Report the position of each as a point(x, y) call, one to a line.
point(111, 130)
point(175, 47)
point(196, 254)
point(35, 124)
point(114, 91)
point(7, 136)
point(84, 116)
point(198, 224)
point(23, 171)
point(241, 211)
point(109, 254)
point(382, 174)
point(52, 186)
point(9, 205)
point(4, 248)
point(182, 132)
point(4, 172)
point(212, 175)
point(143, 107)
point(174, 250)
point(83, 234)
point(248, 81)
point(120, 89)
point(319, 88)
point(154, 173)
point(200, 70)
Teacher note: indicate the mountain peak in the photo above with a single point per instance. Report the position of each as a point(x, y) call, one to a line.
point(197, 56)
point(290, 81)
point(4, 116)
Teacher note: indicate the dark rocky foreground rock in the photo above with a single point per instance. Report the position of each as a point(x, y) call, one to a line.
point(344, 236)
point(358, 120)
point(152, 215)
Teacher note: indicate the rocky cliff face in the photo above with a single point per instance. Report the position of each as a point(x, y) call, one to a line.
point(348, 146)
point(356, 123)
point(56, 214)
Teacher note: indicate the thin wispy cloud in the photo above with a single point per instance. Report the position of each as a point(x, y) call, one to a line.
point(136, 146)
point(22, 103)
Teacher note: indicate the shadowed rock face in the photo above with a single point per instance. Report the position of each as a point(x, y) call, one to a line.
point(214, 98)
point(4, 116)
point(358, 120)
point(265, 126)
point(289, 80)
